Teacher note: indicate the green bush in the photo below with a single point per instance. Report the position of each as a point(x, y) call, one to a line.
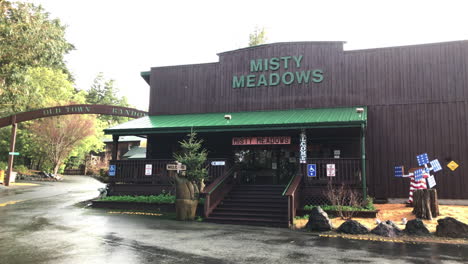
point(21, 169)
point(306, 216)
point(336, 208)
point(369, 203)
point(3, 165)
point(160, 199)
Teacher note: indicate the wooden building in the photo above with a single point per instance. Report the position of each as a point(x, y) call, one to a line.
point(267, 112)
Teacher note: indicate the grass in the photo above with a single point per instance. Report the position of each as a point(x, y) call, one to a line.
point(159, 199)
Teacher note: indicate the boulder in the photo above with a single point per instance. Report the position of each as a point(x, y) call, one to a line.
point(397, 229)
point(318, 220)
point(416, 227)
point(451, 227)
point(387, 229)
point(353, 227)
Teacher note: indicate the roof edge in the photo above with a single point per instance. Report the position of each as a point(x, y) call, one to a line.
point(280, 43)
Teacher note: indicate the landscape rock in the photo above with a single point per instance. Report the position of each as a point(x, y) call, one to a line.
point(353, 227)
point(318, 220)
point(398, 230)
point(451, 227)
point(416, 227)
point(387, 229)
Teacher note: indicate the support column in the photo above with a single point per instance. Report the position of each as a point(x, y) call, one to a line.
point(363, 161)
point(115, 146)
point(6, 180)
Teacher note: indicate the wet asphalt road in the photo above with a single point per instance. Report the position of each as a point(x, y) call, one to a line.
point(46, 226)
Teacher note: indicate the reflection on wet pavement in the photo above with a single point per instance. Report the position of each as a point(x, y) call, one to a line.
point(52, 225)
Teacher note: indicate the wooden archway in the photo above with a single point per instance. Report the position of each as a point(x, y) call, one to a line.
point(80, 109)
point(72, 110)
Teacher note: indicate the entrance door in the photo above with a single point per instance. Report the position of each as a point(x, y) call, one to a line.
point(264, 164)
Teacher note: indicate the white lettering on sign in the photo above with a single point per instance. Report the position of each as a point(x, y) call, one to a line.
point(303, 148)
point(176, 167)
point(218, 163)
point(331, 172)
point(149, 169)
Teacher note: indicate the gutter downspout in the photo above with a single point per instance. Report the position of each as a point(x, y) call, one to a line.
point(363, 161)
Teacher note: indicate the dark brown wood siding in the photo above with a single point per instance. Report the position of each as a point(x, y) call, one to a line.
point(417, 98)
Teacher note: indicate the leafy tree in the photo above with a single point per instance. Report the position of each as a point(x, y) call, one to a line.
point(59, 135)
point(104, 92)
point(28, 39)
point(258, 37)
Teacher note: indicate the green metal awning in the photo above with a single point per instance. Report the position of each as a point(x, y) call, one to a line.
point(244, 121)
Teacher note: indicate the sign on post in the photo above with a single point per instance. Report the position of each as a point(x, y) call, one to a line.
point(303, 148)
point(148, 169)
point(452, 165)
point(176, 167)
point(13, 153)
point(218, 163)
point(312, 170)
point(331, 172)
point(112, 169)
point(336, 153)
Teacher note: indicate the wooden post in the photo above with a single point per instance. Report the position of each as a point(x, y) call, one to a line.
point(426, 204)
point(115, 145)
point(434, 203)
point(6, 181)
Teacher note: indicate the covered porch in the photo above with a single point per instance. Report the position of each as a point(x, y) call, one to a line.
point(326, 130)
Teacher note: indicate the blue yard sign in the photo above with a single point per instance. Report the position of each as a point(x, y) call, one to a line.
point(312, 170)
point(112, 170)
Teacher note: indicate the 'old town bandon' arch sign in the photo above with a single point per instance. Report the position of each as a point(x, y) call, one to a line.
point(71, 110)
point(57, 111)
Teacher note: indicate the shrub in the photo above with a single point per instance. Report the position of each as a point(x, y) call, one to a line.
point(368, 203)
point(306, 216)
point(336, 208)
point(3, 165)
point(160, 199)
point(342, 197)
point(21, 169)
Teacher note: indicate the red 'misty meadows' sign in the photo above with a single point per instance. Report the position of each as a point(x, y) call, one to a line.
point(261, 140)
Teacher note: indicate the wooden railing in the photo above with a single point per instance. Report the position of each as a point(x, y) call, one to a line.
point(217, 190)
point(133, 171)
point(292, 191)
point(347, 170)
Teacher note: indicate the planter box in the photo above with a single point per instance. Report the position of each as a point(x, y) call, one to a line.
point(168, 208)
point(361, 214)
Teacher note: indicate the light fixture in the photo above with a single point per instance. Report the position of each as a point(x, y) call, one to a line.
point(359, 110)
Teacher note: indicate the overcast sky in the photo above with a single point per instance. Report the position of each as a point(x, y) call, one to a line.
point(123, 38)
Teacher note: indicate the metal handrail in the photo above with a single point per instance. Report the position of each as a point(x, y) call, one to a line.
point(287, 186)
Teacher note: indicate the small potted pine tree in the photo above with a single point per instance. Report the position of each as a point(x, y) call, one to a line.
point(190, 183)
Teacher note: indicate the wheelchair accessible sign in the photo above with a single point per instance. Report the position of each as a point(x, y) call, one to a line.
point(312, 170)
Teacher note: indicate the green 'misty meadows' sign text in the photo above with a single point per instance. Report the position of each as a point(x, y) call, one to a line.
point(260, 75)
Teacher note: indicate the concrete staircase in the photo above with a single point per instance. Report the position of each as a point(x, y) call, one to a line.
point(262, 205)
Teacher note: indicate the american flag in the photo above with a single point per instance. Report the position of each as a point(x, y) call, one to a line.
point(417, 185)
